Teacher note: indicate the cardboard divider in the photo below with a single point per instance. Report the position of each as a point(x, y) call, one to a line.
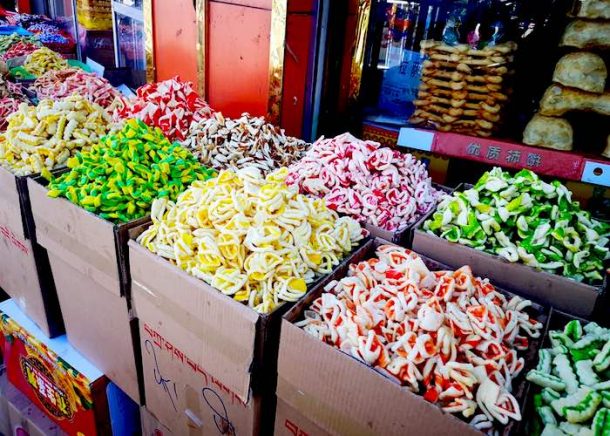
point(98, 325)
point(549, 289)
point(77, 236)
point(221, 339)
point(89, 258)
point(25, 273)
point(11, 215)
point(323, 389)
point(404, 236)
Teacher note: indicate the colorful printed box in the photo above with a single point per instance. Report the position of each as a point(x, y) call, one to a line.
point(53, 375)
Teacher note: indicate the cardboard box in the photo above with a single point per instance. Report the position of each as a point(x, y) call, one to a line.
point(150, 425)
point(548, 289)
point(322, 390)
point(404, 236)
point(290, 422)
point(209, 361)
point(53, 375)
point(88, 257)
point(557, 321)
point(24, 271)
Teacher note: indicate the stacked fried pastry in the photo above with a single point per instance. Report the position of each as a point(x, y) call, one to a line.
point(463, 90)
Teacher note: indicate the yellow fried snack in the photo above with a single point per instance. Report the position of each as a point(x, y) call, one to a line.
point(252, 238)
point(42, 60)
point(43, 137)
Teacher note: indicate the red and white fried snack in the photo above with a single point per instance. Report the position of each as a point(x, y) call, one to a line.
point(448, 335)
point(370, 183)
point(171, 105)
point(58, 84)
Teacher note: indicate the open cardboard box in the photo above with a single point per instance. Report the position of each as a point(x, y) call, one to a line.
point(53, 375)
point(88, 257)
point(549, 289)
point(150, 425)
point(322, 390)
point(25, 273)
point(557, 321)
point(404, 236)
point(209, 361)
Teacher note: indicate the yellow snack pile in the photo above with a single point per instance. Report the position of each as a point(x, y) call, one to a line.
point(253, 238)
point(43, 137)
point(42, 60)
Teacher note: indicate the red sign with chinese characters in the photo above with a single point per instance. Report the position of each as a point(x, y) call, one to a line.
point(509, 155)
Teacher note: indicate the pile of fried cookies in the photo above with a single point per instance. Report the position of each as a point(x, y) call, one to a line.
point(463, 90)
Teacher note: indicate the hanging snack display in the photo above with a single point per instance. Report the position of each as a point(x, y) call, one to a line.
point(43, 137)
point(225, 143)
point(11, 90)
point(463, 89)
point(57, 84)
point(20, 49)
point(448, 335)
point(253, 238)
point(365, 181)
point(43, 60)
point(119, 177)
point(573, 395)
point(171, 105)
point(7, 41)
point(7, 107)
point(524, 219)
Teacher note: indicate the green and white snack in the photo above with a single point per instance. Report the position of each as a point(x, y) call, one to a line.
point(524, 219)
point(575, 394)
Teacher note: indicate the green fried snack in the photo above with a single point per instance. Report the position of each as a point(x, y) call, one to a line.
point(586, 375)
point(546, 415)
point(574, 396)
point(546, 380)
point(563, 369)
point(119, 178)
point(575, 429)
point(584, 409)
point(524, 219)
point(601, 362)
point(601, 422)
point(573, 330)
point(545, 359)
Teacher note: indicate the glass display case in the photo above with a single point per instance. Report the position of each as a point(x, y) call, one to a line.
point(129, 38)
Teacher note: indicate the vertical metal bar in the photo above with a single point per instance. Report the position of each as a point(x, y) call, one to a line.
point(277, 43)
point(201, 13)
point(320, 56)
point(364, 13)
point(115, 37)
point(79, 53)
point(149, 47)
